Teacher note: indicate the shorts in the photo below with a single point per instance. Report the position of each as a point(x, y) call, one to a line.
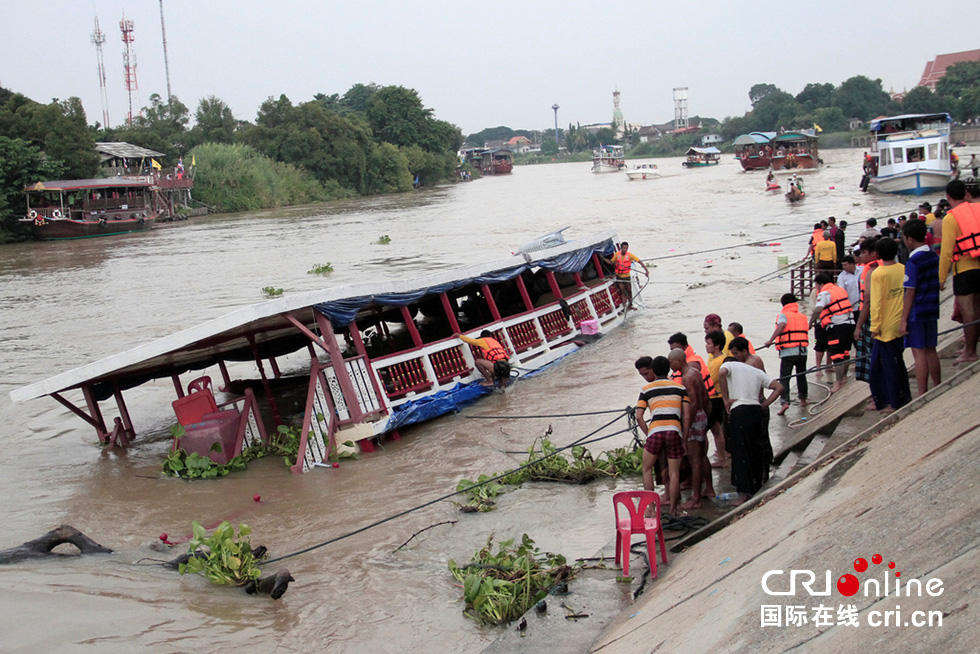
point(819, 338)
point(717, 415)
point(699, 428)
point(669, 441)
point(839, 341)
point(922, 334)
point(966, 282)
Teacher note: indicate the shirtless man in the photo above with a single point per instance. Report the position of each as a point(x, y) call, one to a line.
point(697, 442)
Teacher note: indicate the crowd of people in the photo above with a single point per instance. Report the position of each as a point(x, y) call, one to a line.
point(884, 299)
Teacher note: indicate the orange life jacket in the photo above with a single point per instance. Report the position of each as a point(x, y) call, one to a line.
point(796, 333)
point(817, 235)
point(494, 350)
point(624, 263)
point(839, 303)
point(967, 216)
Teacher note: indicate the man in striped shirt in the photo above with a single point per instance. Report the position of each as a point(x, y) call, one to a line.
point(668, 426)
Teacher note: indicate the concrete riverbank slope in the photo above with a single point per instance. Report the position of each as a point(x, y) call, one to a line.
point(903, 489)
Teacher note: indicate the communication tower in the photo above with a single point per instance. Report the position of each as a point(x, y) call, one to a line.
point(129, 64)
point(98, 38)
point(680, 107)
point(166, 60)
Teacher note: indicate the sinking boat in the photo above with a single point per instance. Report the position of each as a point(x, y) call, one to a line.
point(383, 355)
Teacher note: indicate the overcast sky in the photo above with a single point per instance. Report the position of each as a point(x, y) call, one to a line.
point(478, 64)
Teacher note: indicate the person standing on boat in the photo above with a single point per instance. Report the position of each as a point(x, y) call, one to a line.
point(622, 261)
point(494, 364)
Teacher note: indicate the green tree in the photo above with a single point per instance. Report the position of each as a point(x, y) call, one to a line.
point(863, 98)
point(213, 123)
point(960, 89)
point(816, 96)
point(21, 164)
point(162, 126)
point(397, 116)
point(830, 119)
point(58, 129)
point(774, 111)
point(921, 100)
point(759, 91)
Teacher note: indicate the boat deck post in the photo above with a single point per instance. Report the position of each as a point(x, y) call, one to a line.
point(81, 414)
point(224, 376)
point(494, 311)
point(450, 313)
point(410, 326)
point(130, 433)
point(553, 284)
point(265, 381)
point(598, 266)
point(340, 368)
point(95, 412)
point(177, 385)
point(355, 335)
point(522, 288)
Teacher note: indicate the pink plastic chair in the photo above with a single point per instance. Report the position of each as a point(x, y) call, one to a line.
point(636, 503)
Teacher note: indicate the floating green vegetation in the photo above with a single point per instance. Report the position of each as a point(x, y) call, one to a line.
point(578, 467)
point(502, 586)
point(224, 557)
point(271, 291)
point(384, 239)
point(320, 269)
point(180, 463)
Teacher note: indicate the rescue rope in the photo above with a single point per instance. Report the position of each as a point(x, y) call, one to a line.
point(445, 497)
point(727, 247)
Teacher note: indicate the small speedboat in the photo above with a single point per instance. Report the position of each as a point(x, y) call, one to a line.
point(644, 171)
point(795, 194)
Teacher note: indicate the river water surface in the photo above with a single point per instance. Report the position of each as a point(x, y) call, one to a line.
point(68, 303)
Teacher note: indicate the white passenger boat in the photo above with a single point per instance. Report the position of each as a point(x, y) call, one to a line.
point(909, 154)
point(643, 171)
point(608, 159)
point(382, 355)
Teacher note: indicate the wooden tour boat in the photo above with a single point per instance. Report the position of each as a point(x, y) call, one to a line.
point(699, 157)
point(794, 150)
point(490, 162)
point(753, 150)
point(910, 154)
point(381, 355)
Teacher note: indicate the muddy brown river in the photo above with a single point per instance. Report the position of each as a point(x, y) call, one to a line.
point(68, 303)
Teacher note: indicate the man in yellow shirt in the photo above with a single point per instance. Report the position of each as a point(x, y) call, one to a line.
point(825, 253)
point(958, 256)
point(889, 378)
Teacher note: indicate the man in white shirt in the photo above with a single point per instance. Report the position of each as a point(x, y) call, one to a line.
point(849, 281)
point(748, 438)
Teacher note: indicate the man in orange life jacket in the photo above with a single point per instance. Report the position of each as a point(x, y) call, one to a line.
point(833, 311)
point(959, 255)
point(791, 337)
point(494, 364)
point(622, 259)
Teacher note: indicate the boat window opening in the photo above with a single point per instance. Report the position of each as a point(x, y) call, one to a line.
point(886, 157)
point(915, 155)
point(508, 298)
point(933, 151)
point(897, 155)
point(944, 152)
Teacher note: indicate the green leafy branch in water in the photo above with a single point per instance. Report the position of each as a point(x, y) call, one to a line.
point(502, 586)
point(271, 291)
point(223, 557)
point(384, 239)
point(320, 269)
point(579, 467)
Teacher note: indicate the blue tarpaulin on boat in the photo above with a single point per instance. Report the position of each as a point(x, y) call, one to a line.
point(342, 312)
point(435, 405)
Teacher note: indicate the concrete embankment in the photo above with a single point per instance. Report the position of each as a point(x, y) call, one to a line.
point(904, 489)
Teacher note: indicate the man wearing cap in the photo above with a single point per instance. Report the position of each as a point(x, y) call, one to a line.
point(712, 323)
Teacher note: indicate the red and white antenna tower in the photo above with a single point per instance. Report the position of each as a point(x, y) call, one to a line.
point(98, 38)
point(129, 64)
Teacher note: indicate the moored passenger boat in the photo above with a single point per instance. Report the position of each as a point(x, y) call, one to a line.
point(910, 154)
point(84, 208)
point(381, 355)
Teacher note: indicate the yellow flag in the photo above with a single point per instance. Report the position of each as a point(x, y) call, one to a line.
point(153, 162)
point(817, 127)
point(192, 160)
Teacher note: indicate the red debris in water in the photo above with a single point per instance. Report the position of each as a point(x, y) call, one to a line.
point(163, 537)
point(257, 497)
point(336, 465)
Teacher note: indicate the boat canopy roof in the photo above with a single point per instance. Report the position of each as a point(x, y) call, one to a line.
point(708, 150)
point(229, 337)
point(794, 136)
point(754, 138)
point(87, 184)
point(878, 123)
point(121, 150)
